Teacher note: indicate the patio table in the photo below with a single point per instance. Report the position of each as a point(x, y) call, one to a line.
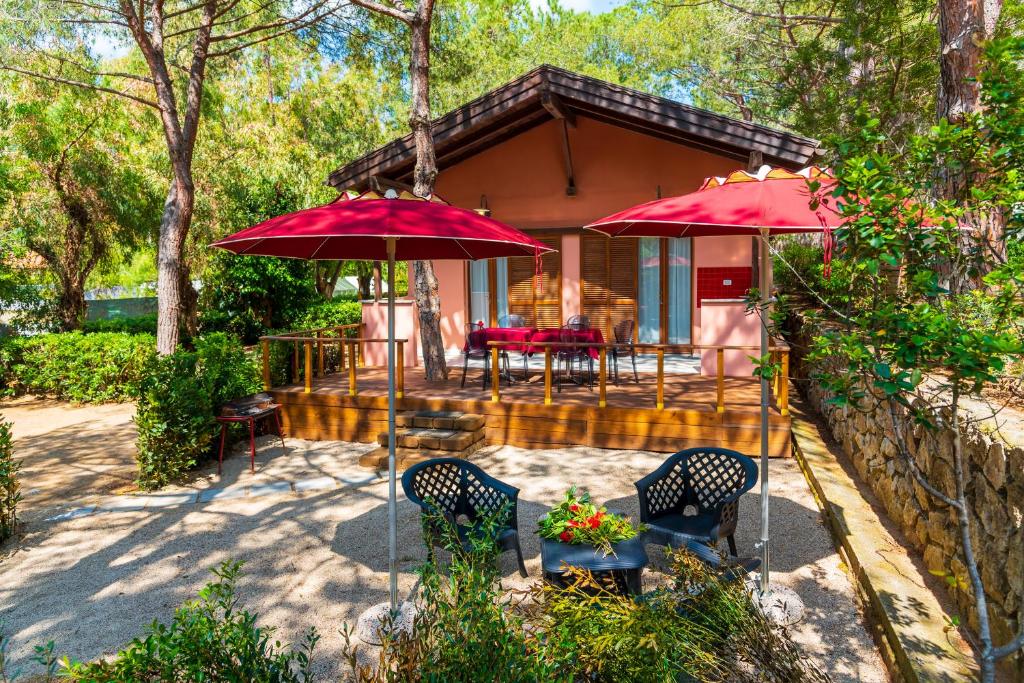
point(554, 336)
point(482, 336)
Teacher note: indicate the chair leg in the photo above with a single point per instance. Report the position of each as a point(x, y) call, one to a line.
point(220, 456)
point(519, 557)
point(732, 545)
point(636, 377)
point(526, 367)
point(252, 445)
point(615, 367)
point(487, 369)
point(465, 367)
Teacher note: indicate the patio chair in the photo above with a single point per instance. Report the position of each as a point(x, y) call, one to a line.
point(626, 347)
point(578, 322)
point(572, 355)
point(464, 495)
point(477, 349)
point(709, 481)
point(511, 320)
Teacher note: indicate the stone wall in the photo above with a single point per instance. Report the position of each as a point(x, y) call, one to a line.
point(995, 490)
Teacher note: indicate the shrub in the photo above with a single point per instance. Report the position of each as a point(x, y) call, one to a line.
point(175, 420)
point(799, 270)
point(209, 639)
point(328, 314)
point(89, 368)
point(143, 324)
point(179, 400)
point(10, 488)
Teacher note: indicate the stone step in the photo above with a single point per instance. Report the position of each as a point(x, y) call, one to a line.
point(432, 439)
point(405, 457)
point(440, 419)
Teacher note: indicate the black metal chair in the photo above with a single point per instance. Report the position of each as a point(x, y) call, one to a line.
point(478, 350)
point(572, 355)
point(511, 320)
point(708, 480)
point(626, 347)
point(578, 322)
point(465, 496)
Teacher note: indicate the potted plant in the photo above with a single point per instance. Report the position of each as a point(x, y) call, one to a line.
point(578, 521)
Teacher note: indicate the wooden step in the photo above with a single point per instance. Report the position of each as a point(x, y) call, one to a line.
point(405, 457)
point(441, 419)
point(432, 439)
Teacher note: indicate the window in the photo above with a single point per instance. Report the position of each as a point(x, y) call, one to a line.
point(665, 267)
point(541, 308)
point(488, 291)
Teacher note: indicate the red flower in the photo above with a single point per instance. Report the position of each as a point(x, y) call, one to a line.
point(574, 508)
point(573, 522)
point(594, 521)
point(565, 536)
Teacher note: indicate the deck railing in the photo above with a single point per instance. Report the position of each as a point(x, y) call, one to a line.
point(351, 354)
point(778, 354)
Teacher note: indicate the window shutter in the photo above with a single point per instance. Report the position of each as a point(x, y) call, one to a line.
point(608, 271)
point(539, 309)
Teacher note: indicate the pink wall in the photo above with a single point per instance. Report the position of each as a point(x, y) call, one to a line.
point(571, 293)
point(451, 279)
point(724, 323)
point(375, 320)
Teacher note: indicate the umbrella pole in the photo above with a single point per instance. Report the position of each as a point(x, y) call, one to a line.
point(764, 285)
point(392, 476)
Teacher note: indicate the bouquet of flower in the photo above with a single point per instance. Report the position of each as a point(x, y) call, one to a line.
point(577, 520)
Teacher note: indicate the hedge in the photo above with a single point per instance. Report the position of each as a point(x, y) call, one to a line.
point(87, 368)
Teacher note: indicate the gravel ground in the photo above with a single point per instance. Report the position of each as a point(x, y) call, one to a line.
point(319, 558)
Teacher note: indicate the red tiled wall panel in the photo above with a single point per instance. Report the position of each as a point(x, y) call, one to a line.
point(711, 282)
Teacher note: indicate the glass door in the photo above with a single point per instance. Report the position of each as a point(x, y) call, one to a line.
point(649, 295)
point(488, 291)
point(679, 290)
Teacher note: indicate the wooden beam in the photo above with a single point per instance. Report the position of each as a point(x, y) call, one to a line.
point(570, 175)
point(557, 108)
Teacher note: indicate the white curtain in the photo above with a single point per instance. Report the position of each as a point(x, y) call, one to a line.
point(649, 303)
point(501, 285)
point(679, 265)
point(479, 293)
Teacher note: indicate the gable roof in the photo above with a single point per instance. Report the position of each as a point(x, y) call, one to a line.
point(548, 92)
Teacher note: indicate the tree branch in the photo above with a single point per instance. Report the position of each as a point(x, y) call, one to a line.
point(80, 84)
point(1011, 647)
point(262, 39)
point(290, 22)
point(394, 12)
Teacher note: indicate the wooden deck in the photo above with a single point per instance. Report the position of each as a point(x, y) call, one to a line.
point(520, 418)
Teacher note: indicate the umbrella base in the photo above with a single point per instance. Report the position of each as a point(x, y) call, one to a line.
point(780, 605)
point(375, 622)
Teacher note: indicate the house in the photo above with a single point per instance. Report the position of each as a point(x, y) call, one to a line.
point(554, 150)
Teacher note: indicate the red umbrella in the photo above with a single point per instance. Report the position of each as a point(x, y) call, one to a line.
point(773, 200)
point(374, 227)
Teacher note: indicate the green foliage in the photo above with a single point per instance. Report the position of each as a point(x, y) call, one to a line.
point(179, 400)
point(328, 314)
point(90, 368)
point(10, 488)
point(143, 324)
point(250, 295)
point(799, 271)
point(576, 520)
point(209, 639)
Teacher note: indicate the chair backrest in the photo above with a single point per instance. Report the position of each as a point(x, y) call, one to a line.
point(511, 320)
point(702, 477)
point(454, 487)
point(578, 322)
point(623, 331)
point(474, 342)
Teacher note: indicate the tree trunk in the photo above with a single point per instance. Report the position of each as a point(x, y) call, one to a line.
point(964, 25)
point(428, 303)
point(174, 225)
point(71, 303)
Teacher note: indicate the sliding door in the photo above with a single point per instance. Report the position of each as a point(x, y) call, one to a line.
point(488, 291)
point(664, 291)
point(608, 281)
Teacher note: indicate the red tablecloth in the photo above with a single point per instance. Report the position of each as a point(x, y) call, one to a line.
point(503, 334)
point(591, 336)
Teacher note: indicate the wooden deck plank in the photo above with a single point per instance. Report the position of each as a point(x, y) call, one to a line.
point(630, 421)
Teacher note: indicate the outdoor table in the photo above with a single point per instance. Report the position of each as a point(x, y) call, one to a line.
point(248, 410)
point(482, 336)
point(623, 569)
point(554, 335)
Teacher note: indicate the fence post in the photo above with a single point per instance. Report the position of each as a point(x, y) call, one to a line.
point(319, 354)
point(309, 365)
point(495, 375)
point(400, 370)
point(660, 402)
point(295, 362)
point(352, 390)
point(341, 354)
point(547, 375)
point(602, 378)
point(265, 348)
point(720, 379)
point(784, 385)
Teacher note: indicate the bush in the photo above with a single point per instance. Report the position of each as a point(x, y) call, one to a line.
point(143, 324)
point(10, 488)
point(328, 314)
point(178, 403)
point(209, 639)
point(799, 270)
point(89, 368)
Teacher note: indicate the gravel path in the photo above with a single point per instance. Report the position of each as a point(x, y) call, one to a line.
point(319, 558)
